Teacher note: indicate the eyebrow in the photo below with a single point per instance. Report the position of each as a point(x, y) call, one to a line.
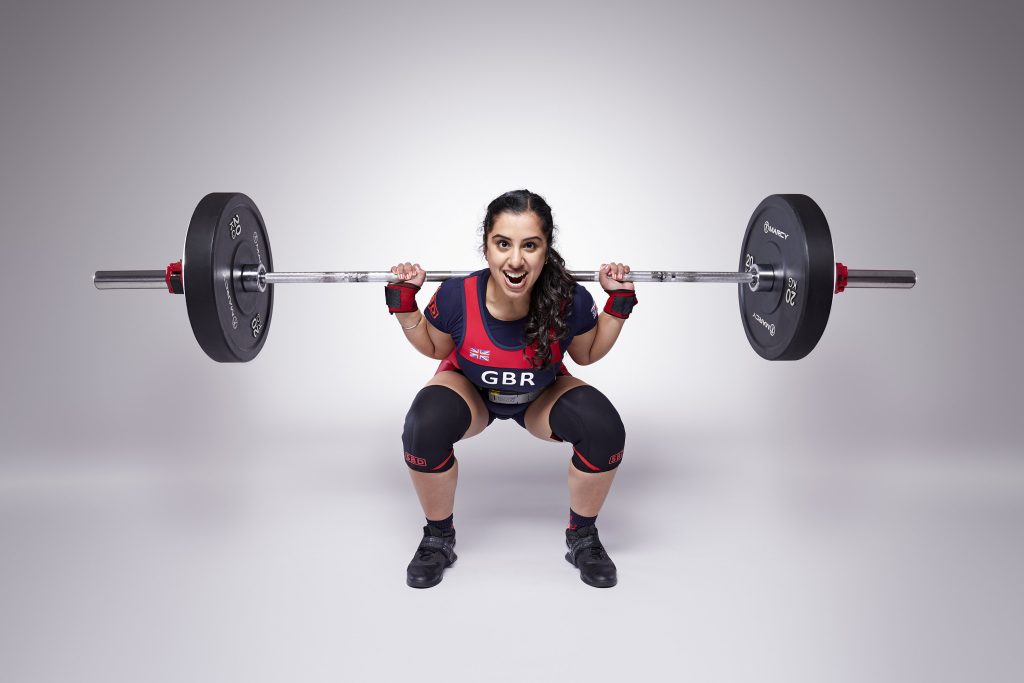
point(525, 239)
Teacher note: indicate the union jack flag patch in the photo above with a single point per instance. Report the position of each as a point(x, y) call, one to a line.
point(480, 354)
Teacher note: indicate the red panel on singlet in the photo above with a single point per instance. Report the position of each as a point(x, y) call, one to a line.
point(489, 366)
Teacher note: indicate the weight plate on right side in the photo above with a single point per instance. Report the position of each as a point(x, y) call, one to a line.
point(788, 233)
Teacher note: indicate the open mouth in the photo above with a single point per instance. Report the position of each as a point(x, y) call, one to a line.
point(515, 280)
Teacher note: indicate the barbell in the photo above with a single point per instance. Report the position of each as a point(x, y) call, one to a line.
point(787, 278)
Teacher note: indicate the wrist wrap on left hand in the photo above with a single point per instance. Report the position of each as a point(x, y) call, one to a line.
point(401, 297)
point(620, 302)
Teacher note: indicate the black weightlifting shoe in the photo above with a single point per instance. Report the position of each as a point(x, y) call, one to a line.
point(435, 554)
point(588, 555)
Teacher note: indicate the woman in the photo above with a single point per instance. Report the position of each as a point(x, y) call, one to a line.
point(501, 334)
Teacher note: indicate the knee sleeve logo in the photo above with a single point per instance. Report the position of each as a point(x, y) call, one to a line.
point(413, 460)
point(615, 458)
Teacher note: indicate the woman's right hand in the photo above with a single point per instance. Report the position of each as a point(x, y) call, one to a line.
point(411, 273)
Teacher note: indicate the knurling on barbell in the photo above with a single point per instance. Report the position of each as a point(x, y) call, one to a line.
point(787, 278)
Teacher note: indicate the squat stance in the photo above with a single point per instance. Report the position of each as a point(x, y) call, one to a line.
point(500, 335)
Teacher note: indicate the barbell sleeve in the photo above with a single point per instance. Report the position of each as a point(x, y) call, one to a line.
point(130, 279)
point(885, 279)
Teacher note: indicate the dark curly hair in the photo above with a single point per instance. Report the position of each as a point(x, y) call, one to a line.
point(553, 291)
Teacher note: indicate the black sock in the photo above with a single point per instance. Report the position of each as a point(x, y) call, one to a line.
point(445, 524)
point(577, 521)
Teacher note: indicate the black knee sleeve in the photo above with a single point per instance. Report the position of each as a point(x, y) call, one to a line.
point(437, 419)
point(586, 418)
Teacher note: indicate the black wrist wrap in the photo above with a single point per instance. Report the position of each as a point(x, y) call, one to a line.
point(401, 297)
point(620, 302)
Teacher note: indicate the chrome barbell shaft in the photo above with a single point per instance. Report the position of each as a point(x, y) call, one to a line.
point(257, 278)
point(889, 279)
point(328, 277)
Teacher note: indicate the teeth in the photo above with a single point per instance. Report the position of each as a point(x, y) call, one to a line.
point(514, 279)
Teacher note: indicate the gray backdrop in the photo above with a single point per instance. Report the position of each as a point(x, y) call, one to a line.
point(854, 516)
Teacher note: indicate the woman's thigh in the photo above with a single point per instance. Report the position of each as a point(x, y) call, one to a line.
point(463, 387)
point(539, 412)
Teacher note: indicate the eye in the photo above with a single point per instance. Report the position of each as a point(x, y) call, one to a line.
point(503, 244)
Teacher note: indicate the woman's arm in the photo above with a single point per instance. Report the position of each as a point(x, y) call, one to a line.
point(594, 345)
point(424, 337)
point(443, 342)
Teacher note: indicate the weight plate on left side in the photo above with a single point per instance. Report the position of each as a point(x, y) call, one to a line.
point(789, 234)
point(226, 233)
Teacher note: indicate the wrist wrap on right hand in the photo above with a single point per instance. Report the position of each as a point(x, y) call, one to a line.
point(401, 297)
point(620, 302)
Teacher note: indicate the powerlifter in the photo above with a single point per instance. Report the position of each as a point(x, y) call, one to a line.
point(501, 334)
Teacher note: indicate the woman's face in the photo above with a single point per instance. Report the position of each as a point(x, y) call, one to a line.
point(516, 251)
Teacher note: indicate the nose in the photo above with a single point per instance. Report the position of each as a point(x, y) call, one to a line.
point(515, 259)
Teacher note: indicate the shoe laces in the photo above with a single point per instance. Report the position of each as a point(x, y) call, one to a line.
point(595, 552)
point(426, 554)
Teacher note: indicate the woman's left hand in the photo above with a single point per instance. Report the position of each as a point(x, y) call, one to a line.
point(611, 276)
